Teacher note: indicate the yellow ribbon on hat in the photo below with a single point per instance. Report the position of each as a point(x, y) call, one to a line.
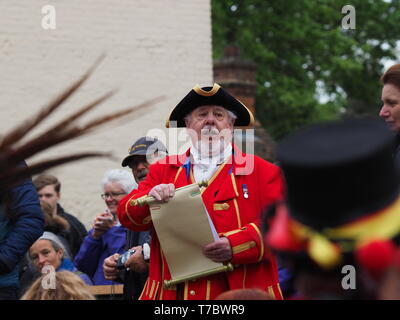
point(323, 251)
point(383, 224)
point(319, 248)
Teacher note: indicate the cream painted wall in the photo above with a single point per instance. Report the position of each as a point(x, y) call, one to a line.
point(158, 47)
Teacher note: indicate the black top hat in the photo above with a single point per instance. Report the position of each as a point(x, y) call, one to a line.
point(215, 95)
point(342, 203)
point(144, 146)
point(338, 172)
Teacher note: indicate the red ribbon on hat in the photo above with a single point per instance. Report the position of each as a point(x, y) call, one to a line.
point(280, 236)
point(376, 256)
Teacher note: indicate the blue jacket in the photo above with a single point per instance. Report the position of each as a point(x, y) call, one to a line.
point(93, 252)
point(21, 223)
point(67, 265)
point(286, 281)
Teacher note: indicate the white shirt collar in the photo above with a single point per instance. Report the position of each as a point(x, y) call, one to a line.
point(203, 169)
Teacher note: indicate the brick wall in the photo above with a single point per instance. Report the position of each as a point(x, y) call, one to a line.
point(158, 47)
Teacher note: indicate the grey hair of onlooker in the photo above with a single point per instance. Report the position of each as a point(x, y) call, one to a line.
point(122, 177)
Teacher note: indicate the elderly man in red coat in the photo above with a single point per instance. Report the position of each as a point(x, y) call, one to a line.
point(239, 187)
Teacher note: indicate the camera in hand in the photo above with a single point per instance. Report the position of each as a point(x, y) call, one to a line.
point(123, 258)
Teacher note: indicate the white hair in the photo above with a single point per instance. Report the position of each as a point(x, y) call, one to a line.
point(231, 115)
point(121, 177)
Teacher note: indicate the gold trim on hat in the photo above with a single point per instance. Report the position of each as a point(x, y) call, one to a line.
point(251, 121)
point(213, 91)
point(210, 93)
point(136, 147)
point(167, 122)
point(205, 93)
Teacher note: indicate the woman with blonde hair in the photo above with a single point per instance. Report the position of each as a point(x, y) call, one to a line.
point(67, 286)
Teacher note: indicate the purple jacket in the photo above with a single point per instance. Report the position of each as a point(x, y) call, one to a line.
point(92, 253)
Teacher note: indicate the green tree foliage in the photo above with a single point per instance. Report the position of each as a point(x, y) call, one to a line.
point(301, 50)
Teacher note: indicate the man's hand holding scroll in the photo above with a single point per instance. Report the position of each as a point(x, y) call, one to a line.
point(163, 192)
point(219, 251)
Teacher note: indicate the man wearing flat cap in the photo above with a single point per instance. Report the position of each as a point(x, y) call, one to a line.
point(239, 187)
point(141, 154)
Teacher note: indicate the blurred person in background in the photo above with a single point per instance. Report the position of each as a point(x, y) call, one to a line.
point(21, 223)
point(48, 188)
point(337, 230)
point(54, 224)
point(57, 225)
point(48, 251)
point(390, 110)
point(68, 286)
point(144, 152)
point(244, 294)
point(107, 235)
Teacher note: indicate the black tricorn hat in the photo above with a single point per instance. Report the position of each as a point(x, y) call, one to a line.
point(338, 172)
point(215, 95)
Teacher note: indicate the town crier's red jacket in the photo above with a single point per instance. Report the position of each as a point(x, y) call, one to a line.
point(235, 197)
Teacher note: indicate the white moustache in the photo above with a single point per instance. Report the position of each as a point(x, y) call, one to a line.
point(209, 131)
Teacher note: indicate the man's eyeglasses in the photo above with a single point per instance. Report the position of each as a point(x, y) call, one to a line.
point(112, 195)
